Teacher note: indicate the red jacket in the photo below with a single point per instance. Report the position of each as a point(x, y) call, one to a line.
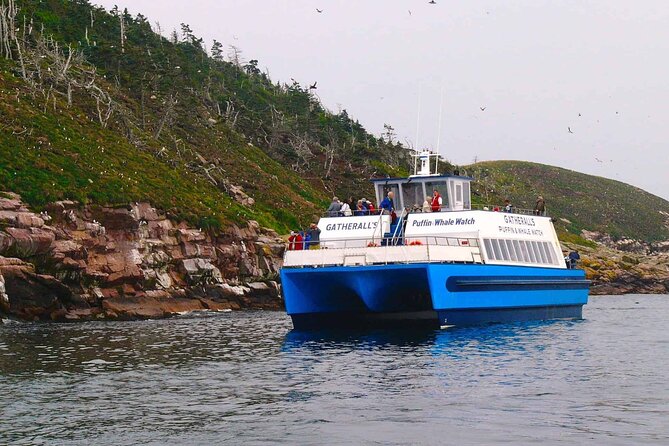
point(295, 243)
point(436, 206)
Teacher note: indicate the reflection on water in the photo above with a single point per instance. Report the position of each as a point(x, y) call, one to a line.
point(248, 378)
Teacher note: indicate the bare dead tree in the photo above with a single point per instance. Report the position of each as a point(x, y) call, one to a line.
point(122, 21)
point(167, 116)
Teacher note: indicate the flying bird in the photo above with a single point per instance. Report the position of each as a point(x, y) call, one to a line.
point(319, 10)
point(409, 12)
point(579, 114)
point(569, 129)
point(482, 108)
point(313, 87)
point(598, 160)
point(432, 2)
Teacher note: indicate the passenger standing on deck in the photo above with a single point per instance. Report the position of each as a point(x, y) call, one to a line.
point(388, 205)
point(508, 207)
point(346, 209)
point(426, 205)
point(335, 208)
point(291, 241)
point(370, 206)
point(436, 201)
point(315, 236)
point(574, 257)
point(360, 209)
point(540, 207)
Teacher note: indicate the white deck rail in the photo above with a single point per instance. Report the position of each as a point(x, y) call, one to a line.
point(357, 252)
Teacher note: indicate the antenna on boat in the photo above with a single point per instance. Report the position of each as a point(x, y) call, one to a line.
point(441, 108)
point(420, 90)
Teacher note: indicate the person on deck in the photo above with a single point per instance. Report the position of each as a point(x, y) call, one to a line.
point(540, 206)
point(335, 208)
point(346, 208)
point(427, 207)
point(314, 234)
point(436, 201)
point(370, 206)
point(388, 205)
point(574, 257)
point(360, 209)
point(292, 241)
point(508, 207)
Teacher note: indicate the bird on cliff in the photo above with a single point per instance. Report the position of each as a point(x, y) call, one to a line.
point(569, 129)
point(313, 87)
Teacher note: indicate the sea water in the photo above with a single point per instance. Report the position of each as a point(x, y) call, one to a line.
point(246, 378)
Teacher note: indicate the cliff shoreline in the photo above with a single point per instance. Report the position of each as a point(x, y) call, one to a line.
point(73, 263)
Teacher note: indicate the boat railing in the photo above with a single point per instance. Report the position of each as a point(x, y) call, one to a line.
point(500, 208)
point(416, 209)
point(367, 251)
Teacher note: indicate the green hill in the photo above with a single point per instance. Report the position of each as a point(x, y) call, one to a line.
point(95, 106)
point(585, 201)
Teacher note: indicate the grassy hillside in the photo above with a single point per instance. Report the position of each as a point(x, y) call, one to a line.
point(97, 107)
point(586, 201)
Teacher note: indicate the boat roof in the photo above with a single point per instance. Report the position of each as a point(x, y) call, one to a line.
point(425, 177)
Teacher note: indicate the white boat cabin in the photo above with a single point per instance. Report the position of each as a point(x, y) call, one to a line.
point(411, 192)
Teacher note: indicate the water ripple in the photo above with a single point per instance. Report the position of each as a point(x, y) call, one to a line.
point(247, 378)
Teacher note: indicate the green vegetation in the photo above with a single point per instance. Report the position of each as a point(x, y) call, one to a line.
point(584, 201)
point(104, 110)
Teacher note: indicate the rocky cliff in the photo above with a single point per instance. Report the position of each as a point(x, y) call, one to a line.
point(624, 268)
point(74, 262)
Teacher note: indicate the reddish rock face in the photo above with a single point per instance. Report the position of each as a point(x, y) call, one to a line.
point(129, 262)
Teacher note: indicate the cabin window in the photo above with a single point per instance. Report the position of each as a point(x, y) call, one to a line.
point(458, 193)
point(467, 195)
point(512, 252)
point(505, 251)
point(541, 255)
point(488, 249)
point(533, 257)
point(496, 248)
point(412, 195)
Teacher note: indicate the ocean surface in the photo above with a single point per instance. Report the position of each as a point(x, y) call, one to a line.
point(246, 378)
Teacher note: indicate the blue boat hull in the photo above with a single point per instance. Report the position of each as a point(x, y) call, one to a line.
point(430, 294)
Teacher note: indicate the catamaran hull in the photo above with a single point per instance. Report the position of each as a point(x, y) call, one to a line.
point(430, 295)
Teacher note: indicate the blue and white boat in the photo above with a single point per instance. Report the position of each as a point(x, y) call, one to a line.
point(454, 267)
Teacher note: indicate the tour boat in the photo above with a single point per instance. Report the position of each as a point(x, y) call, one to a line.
point(454, 267)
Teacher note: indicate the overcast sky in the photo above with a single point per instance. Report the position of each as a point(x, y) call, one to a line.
point(600, 68)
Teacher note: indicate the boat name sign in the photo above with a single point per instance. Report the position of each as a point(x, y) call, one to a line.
point(485, 223)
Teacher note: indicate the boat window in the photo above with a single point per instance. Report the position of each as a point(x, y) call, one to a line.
point(512, 252)
point(533, 258)
point(412, 195)
point(458, 192)
point(549, 253)
point(541, 255)
point(498, 251)
point(441, 187)
point(505, 252)
point(519, 251)
point(467, 195)
point(488, 249)
point(523, 249)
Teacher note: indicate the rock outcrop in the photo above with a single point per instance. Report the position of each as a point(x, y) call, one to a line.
point(72, 263)
point(614, 271)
